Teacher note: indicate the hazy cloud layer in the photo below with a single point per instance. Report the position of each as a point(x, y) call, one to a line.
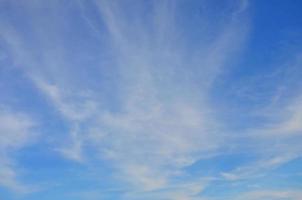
point(135, 85)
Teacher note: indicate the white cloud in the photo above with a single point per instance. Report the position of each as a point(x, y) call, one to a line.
point(186, 190)
point(292, 125)
point(160, 129)
point(273, 143)
point(15, 133)
point(271, 195)
point(163, 120)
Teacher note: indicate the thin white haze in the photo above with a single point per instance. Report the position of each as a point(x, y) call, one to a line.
point(157, 117)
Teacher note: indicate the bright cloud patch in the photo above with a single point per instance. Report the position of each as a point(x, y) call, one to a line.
point(150, 100)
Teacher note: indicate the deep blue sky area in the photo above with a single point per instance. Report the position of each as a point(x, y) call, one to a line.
point(159, 100)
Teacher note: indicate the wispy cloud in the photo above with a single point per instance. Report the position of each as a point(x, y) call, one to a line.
point(159, 130)
point(163, 120)
point(275, 141)
point(140, 95)
point(16, 131)
point(272, 194)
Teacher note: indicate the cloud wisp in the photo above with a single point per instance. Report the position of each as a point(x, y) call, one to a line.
point(16, 132)
point(162, 120)
point(132, 84)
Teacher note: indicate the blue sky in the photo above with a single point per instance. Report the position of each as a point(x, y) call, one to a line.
point(161, 100)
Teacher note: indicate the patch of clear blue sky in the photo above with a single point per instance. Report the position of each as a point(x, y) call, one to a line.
point(275, 29)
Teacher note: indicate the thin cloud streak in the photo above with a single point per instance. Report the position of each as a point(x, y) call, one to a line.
point(159, 119)
point(165, 121)
point(16, 133)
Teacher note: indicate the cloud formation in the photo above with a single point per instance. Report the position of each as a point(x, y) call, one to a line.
point(135, 86)
point(16, 132)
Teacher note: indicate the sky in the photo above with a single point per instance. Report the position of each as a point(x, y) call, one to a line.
point(150, 100)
